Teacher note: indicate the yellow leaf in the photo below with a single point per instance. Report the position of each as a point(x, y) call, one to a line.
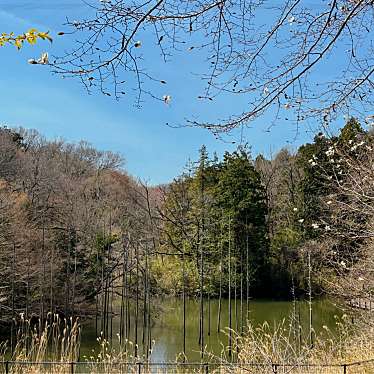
point(31, 38)
point(44, 35)
point(18, 43)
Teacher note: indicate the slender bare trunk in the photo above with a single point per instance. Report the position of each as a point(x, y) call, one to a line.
point(12, 327)
point(311, 338)
point(51, 280)
point(230, 314)
point(137, 300)
point(220, 281)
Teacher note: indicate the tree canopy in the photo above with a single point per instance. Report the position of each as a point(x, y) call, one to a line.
point(294, 60)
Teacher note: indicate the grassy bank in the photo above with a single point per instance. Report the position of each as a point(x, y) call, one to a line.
point(283, 345)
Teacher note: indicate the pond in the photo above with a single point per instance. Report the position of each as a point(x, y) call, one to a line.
point(167, 325)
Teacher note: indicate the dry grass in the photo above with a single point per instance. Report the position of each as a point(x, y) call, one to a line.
point(58, 341)
point(291, 349)
point(266, 346)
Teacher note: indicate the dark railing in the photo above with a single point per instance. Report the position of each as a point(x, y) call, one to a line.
point(10, 367)
point(362, 303)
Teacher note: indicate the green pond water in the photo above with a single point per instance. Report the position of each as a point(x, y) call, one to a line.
point(167, 325)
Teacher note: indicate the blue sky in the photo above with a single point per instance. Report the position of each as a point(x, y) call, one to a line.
point(31, 97)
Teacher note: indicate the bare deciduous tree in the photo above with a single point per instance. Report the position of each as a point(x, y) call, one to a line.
point(348, 225)
point(294, 59)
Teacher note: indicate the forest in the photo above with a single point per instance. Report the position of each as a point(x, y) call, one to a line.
point(80, 237)
point(240, 261)
point(77, 231)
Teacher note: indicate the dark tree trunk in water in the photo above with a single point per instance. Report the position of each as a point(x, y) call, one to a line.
point(42, 283)
point(51, 309)
point(12, 326)
point(201, 243)
point(247, 270)
point(184, 306)
point(220, 281)
point(311, 338)
point(241, 293)
point(230, 315)
point(145, 304)
point(123, 286)
point(137, 301)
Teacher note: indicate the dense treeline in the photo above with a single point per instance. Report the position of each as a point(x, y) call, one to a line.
point(71, 221)
point(215, 219)
point(262, 226)
point(77, 233)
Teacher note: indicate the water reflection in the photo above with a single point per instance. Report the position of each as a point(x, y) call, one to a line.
point(167, 326)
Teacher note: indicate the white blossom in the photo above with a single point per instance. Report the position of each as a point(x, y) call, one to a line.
point(330, 151)
point(166, 99)
point(295, 209)
point(370, 120)
point(315, 225)
point(312, 161)
point(301, 220)
point(44, 59)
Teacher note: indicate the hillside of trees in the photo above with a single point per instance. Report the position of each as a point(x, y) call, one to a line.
point(77, 232)
point(263, 224)
point(67, 214)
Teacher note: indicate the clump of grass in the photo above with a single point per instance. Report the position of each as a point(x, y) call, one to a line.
point(116, 360)
point(57, 341)
point(54, 347)
point(291, 350)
